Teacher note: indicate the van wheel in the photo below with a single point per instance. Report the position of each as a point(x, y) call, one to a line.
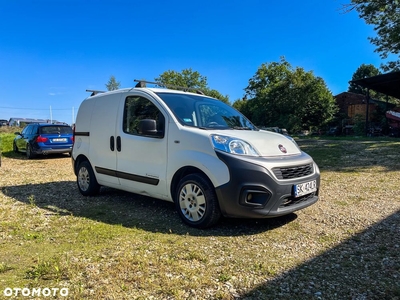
point(196, 201)
point(87, 183)
point(15, 148)
point(29, 153)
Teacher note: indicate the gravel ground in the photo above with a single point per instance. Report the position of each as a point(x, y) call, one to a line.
point(344, 247)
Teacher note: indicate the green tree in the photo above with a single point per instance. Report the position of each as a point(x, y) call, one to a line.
point(243, 106)
point(217, 95)
point(288, 97)
point(112, 84)
point(384, 15)
point(363, 71)
point(193, 80)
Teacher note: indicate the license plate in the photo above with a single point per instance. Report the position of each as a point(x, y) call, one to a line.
point(60, 140)
point(302, 189)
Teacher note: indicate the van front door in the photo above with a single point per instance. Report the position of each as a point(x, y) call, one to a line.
point(142, 147)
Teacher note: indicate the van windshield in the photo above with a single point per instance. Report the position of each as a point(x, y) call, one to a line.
point(205, 113)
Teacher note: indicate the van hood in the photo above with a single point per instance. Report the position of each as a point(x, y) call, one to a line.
point(265, 142)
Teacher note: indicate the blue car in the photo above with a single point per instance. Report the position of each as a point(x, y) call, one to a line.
point(43, 139)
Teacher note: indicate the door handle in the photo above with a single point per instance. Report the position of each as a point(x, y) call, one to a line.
point(118, 143)
point(112, 143)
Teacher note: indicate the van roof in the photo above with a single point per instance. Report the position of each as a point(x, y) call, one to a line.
point(160, 87)
point(154, 90)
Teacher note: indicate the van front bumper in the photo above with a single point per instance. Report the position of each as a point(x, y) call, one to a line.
point(254, 192)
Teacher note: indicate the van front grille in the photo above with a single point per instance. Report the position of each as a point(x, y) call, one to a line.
point(293, 172)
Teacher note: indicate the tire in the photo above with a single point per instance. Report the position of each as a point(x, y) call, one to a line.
point(197, 202)
point(29, 153)
point(86, 180)
point(15, 148)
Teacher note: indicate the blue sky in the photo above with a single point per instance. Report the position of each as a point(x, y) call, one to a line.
point(51, 51)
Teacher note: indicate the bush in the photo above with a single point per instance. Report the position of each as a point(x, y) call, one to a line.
point(359, 125)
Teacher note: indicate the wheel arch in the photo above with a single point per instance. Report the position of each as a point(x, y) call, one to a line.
point(80, 158)
point(182, 172)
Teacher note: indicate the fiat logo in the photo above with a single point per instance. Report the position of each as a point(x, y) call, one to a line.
point(283, 149)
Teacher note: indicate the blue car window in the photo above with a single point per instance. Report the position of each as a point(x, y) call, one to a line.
point(56, 130)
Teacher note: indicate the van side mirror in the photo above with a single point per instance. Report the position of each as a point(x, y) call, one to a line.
point(148, 127)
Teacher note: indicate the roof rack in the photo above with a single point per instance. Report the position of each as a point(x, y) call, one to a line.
point(142, 83)
point(94, 92)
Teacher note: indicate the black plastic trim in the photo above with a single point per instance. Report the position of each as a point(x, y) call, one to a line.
point(138, 178)
point(128, 176)
point(82, 133)
point(105, 171)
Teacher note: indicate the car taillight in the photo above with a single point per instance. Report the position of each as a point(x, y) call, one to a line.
point(73, 134)
point(41, 139)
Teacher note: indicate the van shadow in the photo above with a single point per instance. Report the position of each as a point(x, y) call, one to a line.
point(130, 210)
point(366, 266)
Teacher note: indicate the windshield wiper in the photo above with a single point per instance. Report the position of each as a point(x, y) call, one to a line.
point(241, 128)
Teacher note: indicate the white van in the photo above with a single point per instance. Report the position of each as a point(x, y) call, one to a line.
point(189, 149)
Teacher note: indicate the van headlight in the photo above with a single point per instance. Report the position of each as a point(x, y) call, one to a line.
point(233, 145)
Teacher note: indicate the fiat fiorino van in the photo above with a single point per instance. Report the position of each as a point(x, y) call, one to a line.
point(190, 149)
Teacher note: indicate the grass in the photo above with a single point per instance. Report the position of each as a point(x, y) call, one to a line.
point(6, 142)
point(123, 246)
point(351, 155)
point(6, 139)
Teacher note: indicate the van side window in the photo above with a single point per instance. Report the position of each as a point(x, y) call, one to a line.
point(138, 108)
